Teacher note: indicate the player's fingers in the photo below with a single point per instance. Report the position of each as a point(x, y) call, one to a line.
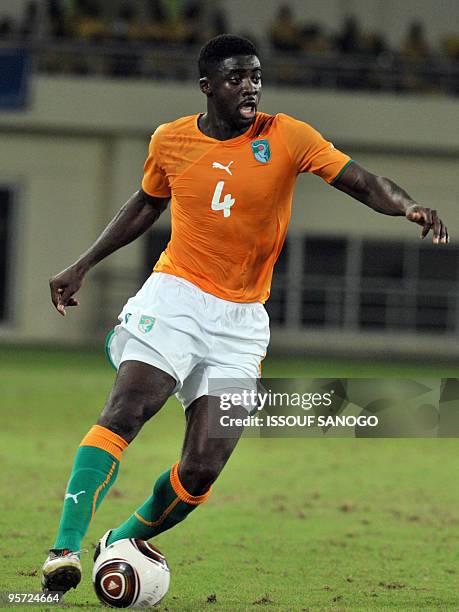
point(436, 225)
point(55, 292)
point(66, 294)
point(444, 238)
point(60, 305)
point(64, 298)
point(427, 223)
point(426, 229)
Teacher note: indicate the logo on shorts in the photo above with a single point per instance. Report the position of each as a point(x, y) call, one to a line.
point(146, 323)
point(261, 151)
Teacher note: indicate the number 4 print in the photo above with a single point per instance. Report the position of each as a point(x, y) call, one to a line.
point(227, 202)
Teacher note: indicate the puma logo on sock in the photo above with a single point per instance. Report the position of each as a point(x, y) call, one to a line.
point(74, 496)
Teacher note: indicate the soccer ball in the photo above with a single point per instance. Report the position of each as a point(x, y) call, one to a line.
point(130, 574)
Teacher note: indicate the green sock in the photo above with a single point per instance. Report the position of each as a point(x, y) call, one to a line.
point(168, 505)
point(94, 471)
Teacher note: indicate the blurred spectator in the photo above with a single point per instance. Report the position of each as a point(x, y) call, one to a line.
point(285, 33)
point(91, 25)
point(213, 24)
point(415, 47)
point(156, 12)
point(6, 28)
point(124, 24)
point(29, 24)
point(374, 44)
point(125, 29)
point(218, 23)
point(167, 22)
point(60, 19)
point(450, 45)
point(314, 40)
point(349, 41)
point(173, 9)
point(178, 23)
point(192, 19)
point(155, 30)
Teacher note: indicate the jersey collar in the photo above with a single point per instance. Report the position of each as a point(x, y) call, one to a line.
point(247, 135)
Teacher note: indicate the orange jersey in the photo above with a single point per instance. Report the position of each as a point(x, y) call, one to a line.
point(231, 199)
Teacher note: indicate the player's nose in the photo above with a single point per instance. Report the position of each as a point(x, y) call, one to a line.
point(249, 87)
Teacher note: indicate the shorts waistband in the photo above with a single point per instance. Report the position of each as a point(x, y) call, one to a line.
point(204, 294)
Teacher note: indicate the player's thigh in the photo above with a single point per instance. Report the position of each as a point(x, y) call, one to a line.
point(139, 392)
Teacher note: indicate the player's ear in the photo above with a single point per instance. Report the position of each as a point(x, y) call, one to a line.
point(205, 86)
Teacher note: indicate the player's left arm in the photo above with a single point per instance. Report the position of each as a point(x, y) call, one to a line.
point(384, 196)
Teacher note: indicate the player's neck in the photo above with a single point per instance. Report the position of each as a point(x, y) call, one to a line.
point(217, 127)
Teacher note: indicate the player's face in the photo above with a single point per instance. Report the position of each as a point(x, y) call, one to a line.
point(236, 89)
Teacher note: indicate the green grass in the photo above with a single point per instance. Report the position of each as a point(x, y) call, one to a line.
point(292, 524)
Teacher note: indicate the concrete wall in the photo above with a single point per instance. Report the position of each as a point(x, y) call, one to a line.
point(58, 201)
point(91, 106)
point(76, 155)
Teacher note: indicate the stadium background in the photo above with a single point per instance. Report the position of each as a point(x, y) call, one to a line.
point(354, 294)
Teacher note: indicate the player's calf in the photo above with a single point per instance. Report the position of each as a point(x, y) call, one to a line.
point(208, 445)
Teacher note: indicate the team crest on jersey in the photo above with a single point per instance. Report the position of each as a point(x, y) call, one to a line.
point(146, 323)
point(261, 150)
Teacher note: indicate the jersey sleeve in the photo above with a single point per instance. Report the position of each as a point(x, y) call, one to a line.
point(154, 180)
point(309, 150)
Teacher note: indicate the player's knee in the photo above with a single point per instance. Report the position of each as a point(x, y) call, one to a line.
point(197, 475)
point(127, 411)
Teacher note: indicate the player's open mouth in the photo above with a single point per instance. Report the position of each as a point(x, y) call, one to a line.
point(248, 110)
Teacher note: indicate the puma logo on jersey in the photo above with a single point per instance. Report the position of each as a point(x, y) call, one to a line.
point(222, 167)
point(74, 496)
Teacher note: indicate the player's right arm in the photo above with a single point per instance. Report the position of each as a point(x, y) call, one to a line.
point(134, 218)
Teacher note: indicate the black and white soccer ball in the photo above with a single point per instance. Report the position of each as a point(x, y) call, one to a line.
point(131, 574)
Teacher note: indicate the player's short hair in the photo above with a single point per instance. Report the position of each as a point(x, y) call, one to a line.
point(221, 47)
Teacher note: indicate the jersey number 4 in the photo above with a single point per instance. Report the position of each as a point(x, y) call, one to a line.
point(226, 203)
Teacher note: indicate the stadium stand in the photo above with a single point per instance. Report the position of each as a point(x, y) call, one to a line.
point(155, 38)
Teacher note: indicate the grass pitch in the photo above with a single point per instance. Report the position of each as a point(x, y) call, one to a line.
point(292, 524)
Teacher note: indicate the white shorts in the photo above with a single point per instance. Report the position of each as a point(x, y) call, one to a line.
point(192, 335)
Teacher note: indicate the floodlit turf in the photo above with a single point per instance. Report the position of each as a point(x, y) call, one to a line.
point(297, 524)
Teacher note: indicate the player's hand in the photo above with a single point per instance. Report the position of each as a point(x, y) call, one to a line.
point(63, 286)
point(429, 220)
